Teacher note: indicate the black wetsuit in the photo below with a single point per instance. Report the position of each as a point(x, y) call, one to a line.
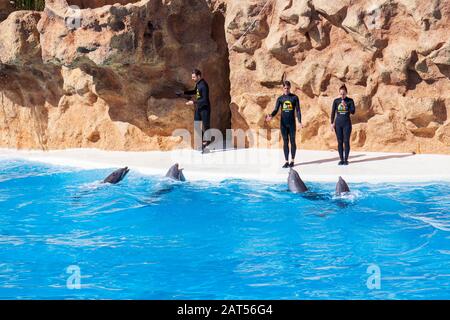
point(289, 105)
point(340, 116)
point(202, 106)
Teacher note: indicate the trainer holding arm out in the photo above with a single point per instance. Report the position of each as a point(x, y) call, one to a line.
point(201, 101)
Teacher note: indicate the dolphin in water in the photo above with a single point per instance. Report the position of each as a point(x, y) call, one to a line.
point(341, 187)
point(116, 176)
point(295, 183)
point(175, 173)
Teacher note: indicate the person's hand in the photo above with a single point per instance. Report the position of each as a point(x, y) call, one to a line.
point(300, 125)
point(190, 103)
point(332, 127)
point(268, 117)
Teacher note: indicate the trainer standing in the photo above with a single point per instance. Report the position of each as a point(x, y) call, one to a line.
point(342, 124)
point(202, 104)
point(290, 105)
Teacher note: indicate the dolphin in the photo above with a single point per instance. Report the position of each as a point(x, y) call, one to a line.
point(295, 183)
point(341, 187)
point(116, 176)
point(175, 173)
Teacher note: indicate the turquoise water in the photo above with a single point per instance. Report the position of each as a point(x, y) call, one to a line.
point(148, 238)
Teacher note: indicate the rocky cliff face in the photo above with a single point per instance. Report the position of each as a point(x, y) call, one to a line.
point(393, 55)
point(109, 81)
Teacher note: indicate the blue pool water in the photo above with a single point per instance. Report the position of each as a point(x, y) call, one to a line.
point(148, 238)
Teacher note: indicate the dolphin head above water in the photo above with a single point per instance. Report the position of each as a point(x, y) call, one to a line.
point(116, 176)
point(175, 173)
point(341, 187)
point(295, 183)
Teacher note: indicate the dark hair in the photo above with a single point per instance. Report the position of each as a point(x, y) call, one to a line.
point(286, 83)
point(343, 87)
point(197, 72)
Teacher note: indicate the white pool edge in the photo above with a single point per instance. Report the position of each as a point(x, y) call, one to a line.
point(253, 164)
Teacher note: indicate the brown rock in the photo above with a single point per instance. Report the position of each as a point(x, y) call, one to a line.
point(107, 79)
point(19, 38)
point(443, 134)
point(358, 138)
point(366, 21)
point(334, 11)
point(392, 55)
point(297, 13)
point(422, 111)
point(110, 82)
point(386, 129)
point(441, 56)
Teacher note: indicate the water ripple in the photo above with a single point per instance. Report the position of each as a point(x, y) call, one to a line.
point(232, 239)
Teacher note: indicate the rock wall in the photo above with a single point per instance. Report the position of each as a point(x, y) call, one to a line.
point(393, 55)
point(109, 81)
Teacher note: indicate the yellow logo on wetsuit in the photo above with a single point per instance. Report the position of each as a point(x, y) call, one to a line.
point(287, 106)
point(198, 95)
point(342, 108)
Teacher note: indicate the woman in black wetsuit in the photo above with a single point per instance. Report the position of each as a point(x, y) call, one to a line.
point(290, 107)
point(342, 124)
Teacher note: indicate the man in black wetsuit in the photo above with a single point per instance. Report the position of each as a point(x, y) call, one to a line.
point(342, 124)
point(290, 104)
point(202, 104)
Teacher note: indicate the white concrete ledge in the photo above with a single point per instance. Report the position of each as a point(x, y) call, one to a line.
point(257, 164)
